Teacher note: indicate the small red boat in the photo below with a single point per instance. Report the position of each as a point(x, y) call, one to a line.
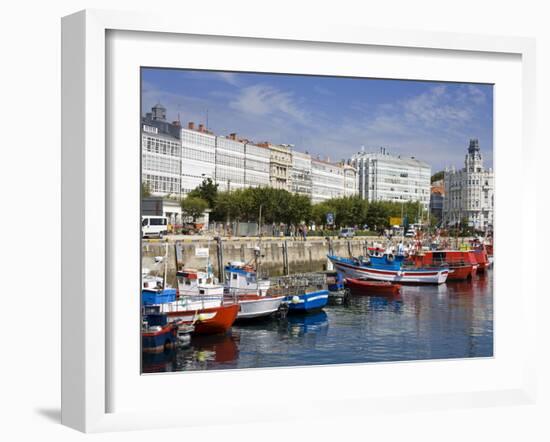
point(368, 287)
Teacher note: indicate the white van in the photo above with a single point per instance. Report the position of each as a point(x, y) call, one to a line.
point(154, 226)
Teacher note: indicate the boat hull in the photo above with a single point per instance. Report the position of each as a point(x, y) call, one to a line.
point(482, 260)
point(461, 273)
point(427, 276)
point(376, 288)
point(159, 341)
point(208, 320)
point(255, 306)
point(307, 302)
point(483, 267)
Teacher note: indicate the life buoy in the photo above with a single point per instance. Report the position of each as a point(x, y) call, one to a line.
point(390, 257)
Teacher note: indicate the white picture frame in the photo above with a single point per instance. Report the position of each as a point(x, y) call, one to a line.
point(87, 168)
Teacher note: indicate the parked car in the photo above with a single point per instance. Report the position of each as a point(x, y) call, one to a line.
point(346, 232)
point(154, 226)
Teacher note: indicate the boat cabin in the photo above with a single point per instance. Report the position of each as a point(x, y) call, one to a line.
point(241, 278)
point(194, 282)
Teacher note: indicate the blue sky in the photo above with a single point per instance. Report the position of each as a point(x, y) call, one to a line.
point(332, 116)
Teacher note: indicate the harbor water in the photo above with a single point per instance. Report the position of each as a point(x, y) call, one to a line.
point(452, 320)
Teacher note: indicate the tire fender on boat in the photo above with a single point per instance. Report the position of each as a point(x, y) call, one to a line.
point(295, 299)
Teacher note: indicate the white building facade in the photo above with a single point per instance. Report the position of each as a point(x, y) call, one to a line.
point(256, 165)
point(301, 174)
point(280, 165)
point(327, 180)
point(385, 177)
point(350, 180)
point(160, 161)
point(230, 174)
point(198, 157)
point(176, 160)
point(469, 192)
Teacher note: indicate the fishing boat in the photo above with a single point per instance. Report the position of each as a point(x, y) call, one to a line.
point(303, 293)
point(462, 264)
point(337, 291)
point(157, 333)
point(251, 293)
point(480, 254)
point(388, 268)
point(375, 288)
point(201, 303)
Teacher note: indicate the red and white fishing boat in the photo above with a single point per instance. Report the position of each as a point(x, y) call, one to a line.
point(375, 288)
point(201, 303)
point(462, 264)
point(389, 268)
point(251, 293)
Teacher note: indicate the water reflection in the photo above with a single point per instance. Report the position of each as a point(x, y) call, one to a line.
point(205, 352)
point(315, 323)
point(453, 320)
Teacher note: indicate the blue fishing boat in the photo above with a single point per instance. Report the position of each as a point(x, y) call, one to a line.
point(303, 293)
point(307, 302)
point(157, 334)
point(389, 268)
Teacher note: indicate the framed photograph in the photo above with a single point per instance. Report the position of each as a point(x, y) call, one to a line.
point(299, 210)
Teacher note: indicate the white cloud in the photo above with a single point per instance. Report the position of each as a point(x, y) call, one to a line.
point(435, 107)
point(229, 77)
point(476, 94)
point(263, 100)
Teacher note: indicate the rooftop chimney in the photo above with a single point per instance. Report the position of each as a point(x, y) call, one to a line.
point(201, 127)
point(233, 136)
point(191, 125)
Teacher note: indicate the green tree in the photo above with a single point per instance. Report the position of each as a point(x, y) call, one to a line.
point(378, 215)
point(207, 190)
point(297, 210)
point(319, 213)
point(277, 205)
point(193, 207)
point(438, 176)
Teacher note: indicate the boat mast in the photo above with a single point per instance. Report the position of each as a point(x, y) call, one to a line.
point(259, 253)
point(165, 266)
